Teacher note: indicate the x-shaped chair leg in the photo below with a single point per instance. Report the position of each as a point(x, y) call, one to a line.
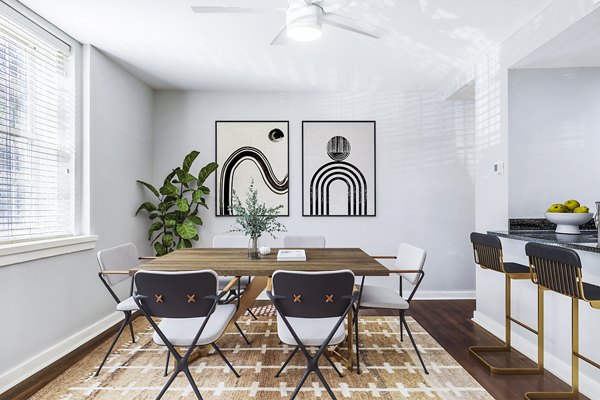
point(126, 321)
point(312, 365)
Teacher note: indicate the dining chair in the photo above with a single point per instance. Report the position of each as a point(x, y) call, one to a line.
point(188, 305)
point(409, 266)
point(115, 263)
point(303, 242)
point(311, 307)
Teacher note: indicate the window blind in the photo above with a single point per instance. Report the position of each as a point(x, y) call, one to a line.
point(37, 136)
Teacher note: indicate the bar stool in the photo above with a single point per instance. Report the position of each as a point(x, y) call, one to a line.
point(487, 250)
point(559, 269)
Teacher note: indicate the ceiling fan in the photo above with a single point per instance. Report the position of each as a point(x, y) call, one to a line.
point(304, 19)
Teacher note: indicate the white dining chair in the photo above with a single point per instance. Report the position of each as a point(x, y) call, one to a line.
point(409, 266)
point(190, 312)
point(114, 264)
point(304, 242)
point(311, 308)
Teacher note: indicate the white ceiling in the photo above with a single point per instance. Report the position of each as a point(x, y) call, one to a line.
point(169, 47)
point(576, 46)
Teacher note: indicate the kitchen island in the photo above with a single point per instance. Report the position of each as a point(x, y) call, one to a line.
point(490, 303)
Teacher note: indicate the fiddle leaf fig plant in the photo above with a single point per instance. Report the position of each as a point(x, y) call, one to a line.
point(174, 216)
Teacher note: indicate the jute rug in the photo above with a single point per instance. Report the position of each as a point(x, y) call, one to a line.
point(390, 368)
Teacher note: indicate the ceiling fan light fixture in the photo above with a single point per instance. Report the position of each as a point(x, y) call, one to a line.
point(304, 31)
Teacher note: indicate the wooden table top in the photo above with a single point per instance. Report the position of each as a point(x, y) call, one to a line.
point(235, 262)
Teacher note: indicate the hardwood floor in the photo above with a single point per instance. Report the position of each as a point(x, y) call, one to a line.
point(449, 322)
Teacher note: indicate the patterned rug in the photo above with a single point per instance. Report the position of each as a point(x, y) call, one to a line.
point(390, 368)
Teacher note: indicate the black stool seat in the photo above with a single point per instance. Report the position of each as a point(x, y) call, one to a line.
point(514, 268)
point(592, 292)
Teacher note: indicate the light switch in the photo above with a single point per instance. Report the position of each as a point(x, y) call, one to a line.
point(499, 167)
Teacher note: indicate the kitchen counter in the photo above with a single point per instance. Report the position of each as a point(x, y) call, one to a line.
point(586, 241)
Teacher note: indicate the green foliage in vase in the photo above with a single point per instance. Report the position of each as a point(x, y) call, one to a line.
point(174, 218)
point(255, 218)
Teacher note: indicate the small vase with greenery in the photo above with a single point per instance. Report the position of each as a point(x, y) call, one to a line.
point(174, 217)
point(255, 219)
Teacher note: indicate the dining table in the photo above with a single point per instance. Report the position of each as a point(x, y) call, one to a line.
point(235, 262)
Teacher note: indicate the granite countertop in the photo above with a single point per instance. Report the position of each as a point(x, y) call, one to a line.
point(541, 231)
point(586, 241)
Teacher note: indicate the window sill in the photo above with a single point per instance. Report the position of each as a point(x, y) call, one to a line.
point(15, 253)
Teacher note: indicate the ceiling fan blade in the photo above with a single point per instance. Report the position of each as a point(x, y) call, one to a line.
point(282, 38)
point(335, 5)
point(353, 25)
point(232, 10)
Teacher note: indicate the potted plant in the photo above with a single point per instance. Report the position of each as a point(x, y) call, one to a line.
point(174, 218)
point(255, 219)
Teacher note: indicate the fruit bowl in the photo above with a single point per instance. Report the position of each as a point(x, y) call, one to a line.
point(568, 223)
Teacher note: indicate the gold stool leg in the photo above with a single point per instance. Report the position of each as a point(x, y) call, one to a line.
point(475, 350)
point(574, 393)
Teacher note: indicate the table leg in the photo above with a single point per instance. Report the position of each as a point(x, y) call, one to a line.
point(248, 297)
point(348, 361)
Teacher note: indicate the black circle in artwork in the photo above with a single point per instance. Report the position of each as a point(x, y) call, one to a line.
point(276, 135)
point(338, 148)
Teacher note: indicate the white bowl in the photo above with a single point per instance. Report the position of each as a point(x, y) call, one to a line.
point(568, 223)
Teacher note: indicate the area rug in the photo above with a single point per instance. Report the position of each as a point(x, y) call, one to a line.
point(390, 368)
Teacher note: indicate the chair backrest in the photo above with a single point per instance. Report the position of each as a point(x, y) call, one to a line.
point(118, 258)
point(304, 242)
point(321, 294)
point(177, 294)
point(230, 241)
point(555, 268)
point(487, 250)
point(410, 257)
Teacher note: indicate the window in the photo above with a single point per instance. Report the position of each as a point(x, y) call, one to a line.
point(37, 133)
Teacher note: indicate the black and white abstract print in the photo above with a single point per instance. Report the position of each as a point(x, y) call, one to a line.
point(338, 168)
point(252, 151)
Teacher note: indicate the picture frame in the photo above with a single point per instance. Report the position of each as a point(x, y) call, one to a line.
point(337, 181)
point(252, 151)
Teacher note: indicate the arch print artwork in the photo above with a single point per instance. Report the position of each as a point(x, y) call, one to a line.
point(338, 168)
point(249, 151)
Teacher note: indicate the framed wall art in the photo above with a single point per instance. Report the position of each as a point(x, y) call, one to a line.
point(249, 151)
point(338, 168)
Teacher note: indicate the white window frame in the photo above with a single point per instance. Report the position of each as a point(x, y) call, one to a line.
point(28, 250)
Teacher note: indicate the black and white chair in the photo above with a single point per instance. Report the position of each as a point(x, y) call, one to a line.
point(304, 242)
point(115, 263)
point(191, 314)
point(311, 307)
point(409, 266)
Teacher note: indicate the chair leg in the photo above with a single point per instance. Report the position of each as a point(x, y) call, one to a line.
point(300, 384)
point(131, 330)
point(241, 333)
point(123, 325)
point(333, 365)
point(225, 359)
point(167, 363)
point(251, 313)
point(287, 361)
point(190, 378)
point(169, 382)
point(356, 341)
point(403, 320)
point(401, 327)
point(325, 384)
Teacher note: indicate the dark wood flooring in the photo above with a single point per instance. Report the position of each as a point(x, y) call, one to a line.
point(449, 322)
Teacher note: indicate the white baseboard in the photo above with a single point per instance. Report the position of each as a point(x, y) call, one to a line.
point(54, 353)
point(562, 370)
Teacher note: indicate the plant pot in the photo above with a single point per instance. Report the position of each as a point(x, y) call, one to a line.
point(253, 251)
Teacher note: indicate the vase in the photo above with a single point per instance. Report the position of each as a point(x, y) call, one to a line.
point(253, 251)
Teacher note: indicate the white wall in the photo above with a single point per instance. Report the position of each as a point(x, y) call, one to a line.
point(491, 121)
point(45, 302)
point(553, 140)
point(424, 169)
